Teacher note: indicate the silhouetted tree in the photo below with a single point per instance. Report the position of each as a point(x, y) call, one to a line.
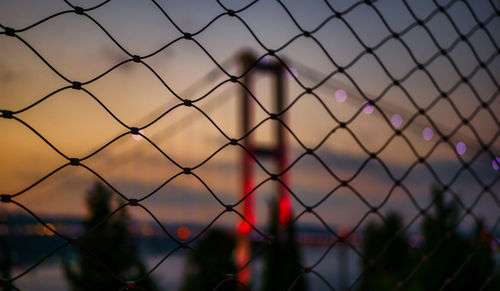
point(281, 257)
point(383, 270)
point(453, 250)
point(112, 244)
point(445, 249)
point(216, 249)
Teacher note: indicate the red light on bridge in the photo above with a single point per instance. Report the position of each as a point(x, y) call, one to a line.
point(183, 232)
point(244, 227)
point(285, 210)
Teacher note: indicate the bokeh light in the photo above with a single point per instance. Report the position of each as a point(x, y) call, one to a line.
point(496, 164)
point(294, 71)
point(45, 230)
point(427, 133)
point(147, 230)
point(368, 108)
point(138, 136)
point(396, 120)
point(183, 232)
point(264, 60)
point(461, 148)
point(340, 95)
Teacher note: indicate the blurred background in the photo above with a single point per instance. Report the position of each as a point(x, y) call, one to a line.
point(409, 174)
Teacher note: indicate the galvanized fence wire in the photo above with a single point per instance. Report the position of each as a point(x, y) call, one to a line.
point(485, 146)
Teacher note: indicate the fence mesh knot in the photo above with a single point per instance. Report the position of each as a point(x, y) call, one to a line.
point(10, 31)
point(7, 114)
point(79, 10)
point(74, 161)
point(76, 85)
point(134, 130)
point(5, 198)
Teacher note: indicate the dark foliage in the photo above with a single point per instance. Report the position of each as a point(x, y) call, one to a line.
point(5, 264)
point(454, 261)
point(281, 258)
point(216, 249)
point(384, 271)
point(454, 251)
point(112, 244)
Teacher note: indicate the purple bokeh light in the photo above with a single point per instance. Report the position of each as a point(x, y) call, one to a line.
point(461, 148)
point(396, 120)
point(496, 164)
point(294, 71)
point(427, 133)
point(264, 60)
point(368, 108)
point(340, 95)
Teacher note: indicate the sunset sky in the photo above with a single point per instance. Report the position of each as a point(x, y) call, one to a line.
point(77, 125)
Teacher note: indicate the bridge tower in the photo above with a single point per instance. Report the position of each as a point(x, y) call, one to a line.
point(277, 153)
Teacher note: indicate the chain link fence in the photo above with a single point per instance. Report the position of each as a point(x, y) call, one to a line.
point(453, 131)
